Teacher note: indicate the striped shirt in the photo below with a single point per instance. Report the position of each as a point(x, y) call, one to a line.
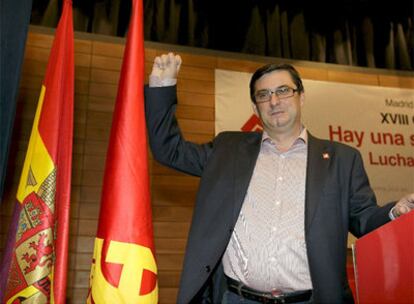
point(267, 250)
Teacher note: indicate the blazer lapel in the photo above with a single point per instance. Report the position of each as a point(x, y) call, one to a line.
point(319, 159)
point(246, 156)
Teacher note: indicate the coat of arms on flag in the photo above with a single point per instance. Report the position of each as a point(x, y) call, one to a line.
point(34, 267)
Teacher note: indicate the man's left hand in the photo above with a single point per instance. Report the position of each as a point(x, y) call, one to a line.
point(404, 205)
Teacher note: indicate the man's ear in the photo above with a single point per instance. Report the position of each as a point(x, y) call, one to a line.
point(302, 99)
point(254, 106)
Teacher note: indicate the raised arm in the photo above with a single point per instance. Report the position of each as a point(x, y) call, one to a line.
point(166, 141)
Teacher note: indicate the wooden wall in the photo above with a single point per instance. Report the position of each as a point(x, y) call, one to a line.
point(98, 61)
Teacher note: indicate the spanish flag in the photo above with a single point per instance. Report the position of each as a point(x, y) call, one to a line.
point(35, 260)
point(123, 266)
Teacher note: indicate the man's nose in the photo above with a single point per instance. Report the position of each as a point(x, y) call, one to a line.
point(274, 100)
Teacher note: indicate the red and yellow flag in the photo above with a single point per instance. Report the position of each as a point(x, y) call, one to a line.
point(37, 250)
point(123, 268)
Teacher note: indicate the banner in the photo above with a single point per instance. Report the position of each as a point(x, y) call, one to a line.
point(378, 121)
point(34, 266)
point(123, 267)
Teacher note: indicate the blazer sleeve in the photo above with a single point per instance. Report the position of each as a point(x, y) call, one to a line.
point(365, 215)
point(165, 138)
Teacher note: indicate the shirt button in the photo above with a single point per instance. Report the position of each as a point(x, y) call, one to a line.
point(274, 229)
point(272, 259)
point(278, 203)
point(280, 178)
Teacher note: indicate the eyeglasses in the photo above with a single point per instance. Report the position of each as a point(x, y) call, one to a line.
point(280, 92)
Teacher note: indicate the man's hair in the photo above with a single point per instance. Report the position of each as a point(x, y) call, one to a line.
point(269, 68)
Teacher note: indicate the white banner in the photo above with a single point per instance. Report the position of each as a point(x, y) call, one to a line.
point(378, 121)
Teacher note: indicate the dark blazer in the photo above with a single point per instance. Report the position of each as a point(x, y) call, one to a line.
point(338, 199)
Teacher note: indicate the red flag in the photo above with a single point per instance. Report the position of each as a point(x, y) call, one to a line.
point(123, 268)
point(36, 255)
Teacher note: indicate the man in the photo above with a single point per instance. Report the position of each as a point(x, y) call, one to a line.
point(273, 209)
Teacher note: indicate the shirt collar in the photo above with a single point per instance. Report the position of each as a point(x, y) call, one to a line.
point(303, 137)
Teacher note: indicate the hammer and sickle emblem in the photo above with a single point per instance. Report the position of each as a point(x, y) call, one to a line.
point(129, 284)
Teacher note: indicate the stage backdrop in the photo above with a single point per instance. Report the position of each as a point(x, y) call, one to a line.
point(378, 121)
